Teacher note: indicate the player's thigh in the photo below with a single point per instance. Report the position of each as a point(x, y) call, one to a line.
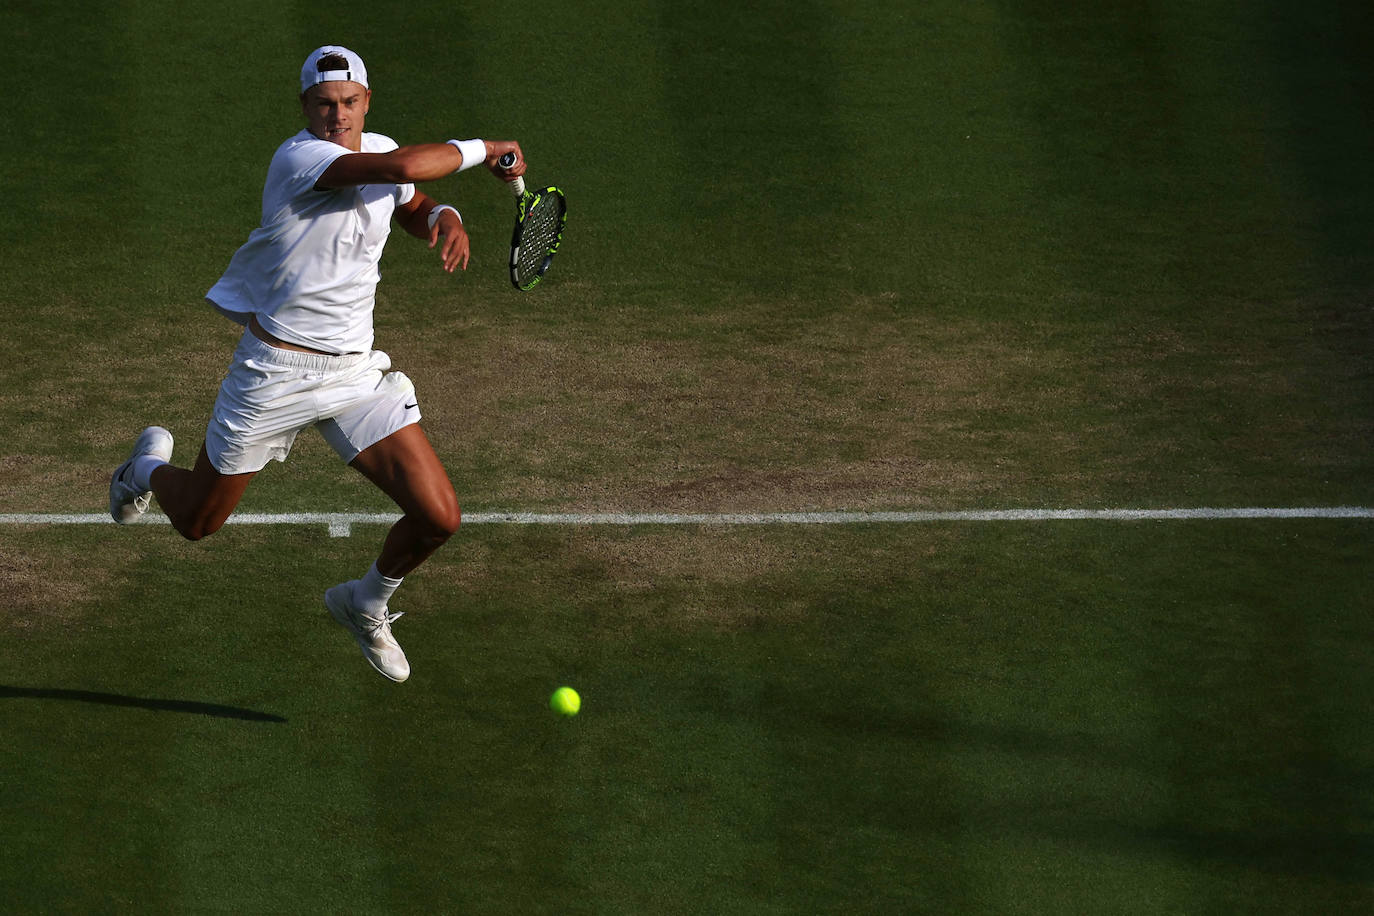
point(405, 467)
point(198, 500)
point(222, 491)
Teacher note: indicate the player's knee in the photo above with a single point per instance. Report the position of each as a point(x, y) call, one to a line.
point(198, 526)
point(441, 521)
point(191, 532)
point(449, 520)
point(196, 532)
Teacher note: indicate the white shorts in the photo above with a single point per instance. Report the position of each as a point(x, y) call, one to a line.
point(271, 394)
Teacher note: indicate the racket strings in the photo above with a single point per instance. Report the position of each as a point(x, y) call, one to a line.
point(539, 235)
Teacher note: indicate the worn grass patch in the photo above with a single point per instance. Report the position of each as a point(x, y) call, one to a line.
point(865, 409)
point(860, 408)
point(50, 583)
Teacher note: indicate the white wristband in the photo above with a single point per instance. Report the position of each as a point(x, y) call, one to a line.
point(440, 208)
point(474, 152)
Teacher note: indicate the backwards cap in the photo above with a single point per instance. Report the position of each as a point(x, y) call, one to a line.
point(310, 70)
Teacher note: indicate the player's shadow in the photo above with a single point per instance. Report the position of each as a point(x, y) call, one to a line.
point(191, 707)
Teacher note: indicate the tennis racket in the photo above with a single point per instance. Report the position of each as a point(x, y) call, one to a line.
point(539, 222)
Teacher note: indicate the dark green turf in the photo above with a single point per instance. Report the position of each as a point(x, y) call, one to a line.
point(1127, 718)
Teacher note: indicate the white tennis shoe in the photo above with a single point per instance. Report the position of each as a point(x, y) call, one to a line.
point(373, 633)
point(127, 502)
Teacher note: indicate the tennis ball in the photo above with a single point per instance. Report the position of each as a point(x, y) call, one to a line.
point(565, 701)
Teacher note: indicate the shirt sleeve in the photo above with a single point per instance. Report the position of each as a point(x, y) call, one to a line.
point(308, 160)
point(380, 143)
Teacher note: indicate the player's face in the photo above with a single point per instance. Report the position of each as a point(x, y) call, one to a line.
point(334, 111)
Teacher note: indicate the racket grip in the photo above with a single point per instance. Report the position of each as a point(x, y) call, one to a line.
point(517, 184)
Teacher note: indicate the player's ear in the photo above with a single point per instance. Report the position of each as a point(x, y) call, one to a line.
point(367, 102)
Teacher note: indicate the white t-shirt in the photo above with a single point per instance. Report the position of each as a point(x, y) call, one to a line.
point(309, 272)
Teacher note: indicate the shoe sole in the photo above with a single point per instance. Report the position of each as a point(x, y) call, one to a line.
point(122, 512)
point(339, 612)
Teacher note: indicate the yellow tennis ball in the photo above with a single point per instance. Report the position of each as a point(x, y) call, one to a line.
point(565, 701)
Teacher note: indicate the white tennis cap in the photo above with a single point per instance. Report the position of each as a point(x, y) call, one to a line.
point(311, 74)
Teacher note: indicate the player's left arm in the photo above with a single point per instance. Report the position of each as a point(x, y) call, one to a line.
point(414, 217)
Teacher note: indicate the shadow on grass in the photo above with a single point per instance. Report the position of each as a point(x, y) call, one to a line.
point(114, 699)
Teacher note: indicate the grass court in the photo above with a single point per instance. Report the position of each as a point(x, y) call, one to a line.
point(821, 256)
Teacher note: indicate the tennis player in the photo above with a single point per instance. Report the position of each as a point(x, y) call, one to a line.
point(303, 287)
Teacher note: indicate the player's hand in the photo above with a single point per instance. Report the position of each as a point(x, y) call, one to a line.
point(498, 148)
point(457, 247)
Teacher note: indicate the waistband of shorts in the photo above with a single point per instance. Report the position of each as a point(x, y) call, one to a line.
point(254, 347)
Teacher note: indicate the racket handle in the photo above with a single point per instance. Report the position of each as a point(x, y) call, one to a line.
point(518, 184)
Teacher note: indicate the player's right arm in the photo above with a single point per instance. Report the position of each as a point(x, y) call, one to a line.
point(409, 164)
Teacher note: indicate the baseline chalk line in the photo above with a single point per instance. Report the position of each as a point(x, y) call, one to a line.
point(340, 524)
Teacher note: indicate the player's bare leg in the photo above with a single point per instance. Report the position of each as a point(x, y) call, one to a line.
point(405, 467)
point(199, 500)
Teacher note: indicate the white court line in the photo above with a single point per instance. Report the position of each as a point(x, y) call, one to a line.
point(340, 524)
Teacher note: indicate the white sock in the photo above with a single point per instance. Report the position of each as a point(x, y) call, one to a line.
point(144, 465)
point(374, 590)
